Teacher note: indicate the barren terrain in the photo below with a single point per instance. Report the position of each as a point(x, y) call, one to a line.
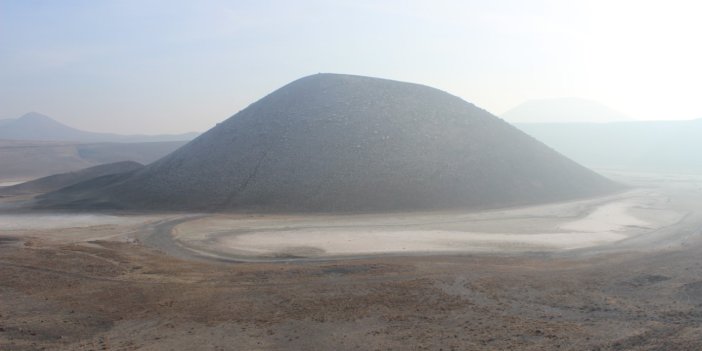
point(616, 273)
point(556, 227)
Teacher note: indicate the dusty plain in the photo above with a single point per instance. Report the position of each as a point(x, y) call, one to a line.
point(622, 272)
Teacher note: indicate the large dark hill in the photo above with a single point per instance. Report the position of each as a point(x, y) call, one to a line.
point(332, 142)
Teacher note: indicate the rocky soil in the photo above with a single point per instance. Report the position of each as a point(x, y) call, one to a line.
point(109, 295)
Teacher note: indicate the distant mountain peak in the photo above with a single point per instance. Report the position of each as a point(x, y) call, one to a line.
point(35, 116)
point(563, 110)
point(38, 120)
point(37, 126)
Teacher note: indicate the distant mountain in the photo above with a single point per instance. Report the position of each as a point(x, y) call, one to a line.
point(23, 160)
point(647, 146)
point(340, 143)
point(562, 110)
point(62, 180)
point(35, 126)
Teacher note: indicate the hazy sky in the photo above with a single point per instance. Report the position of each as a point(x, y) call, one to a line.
point(176, 66)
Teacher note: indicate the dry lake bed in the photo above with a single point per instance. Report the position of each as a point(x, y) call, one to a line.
point(621, 272)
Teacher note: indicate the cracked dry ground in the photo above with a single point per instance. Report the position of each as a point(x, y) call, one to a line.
point(119, 296)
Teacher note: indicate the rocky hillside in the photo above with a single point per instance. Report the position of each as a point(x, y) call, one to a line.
point(331, 142)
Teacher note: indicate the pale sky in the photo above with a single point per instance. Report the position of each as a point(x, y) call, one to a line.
point(175, 66)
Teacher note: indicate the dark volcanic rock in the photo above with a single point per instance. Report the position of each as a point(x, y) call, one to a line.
point(332, 142)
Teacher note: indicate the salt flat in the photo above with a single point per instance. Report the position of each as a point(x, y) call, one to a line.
point(11, 183)
point(554, 227)
point(615, 272)
point(58, 221)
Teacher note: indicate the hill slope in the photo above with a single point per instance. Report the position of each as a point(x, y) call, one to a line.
point(35, 126)
point(333, 142)
point(562, 110)
point(23, 160)
point(62, 180)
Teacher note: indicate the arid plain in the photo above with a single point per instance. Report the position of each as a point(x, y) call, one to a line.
point(621, 272)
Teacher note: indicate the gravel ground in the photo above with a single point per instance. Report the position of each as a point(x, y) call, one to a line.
point(103, 286)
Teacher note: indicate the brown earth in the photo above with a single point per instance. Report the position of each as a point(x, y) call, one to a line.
point(110, 295)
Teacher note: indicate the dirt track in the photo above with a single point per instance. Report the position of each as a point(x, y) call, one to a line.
point(121, 296)
point(69, 290)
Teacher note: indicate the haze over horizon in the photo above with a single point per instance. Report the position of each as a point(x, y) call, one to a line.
point(167, 67)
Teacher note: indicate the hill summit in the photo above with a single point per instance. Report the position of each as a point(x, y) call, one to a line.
point(331, 142)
